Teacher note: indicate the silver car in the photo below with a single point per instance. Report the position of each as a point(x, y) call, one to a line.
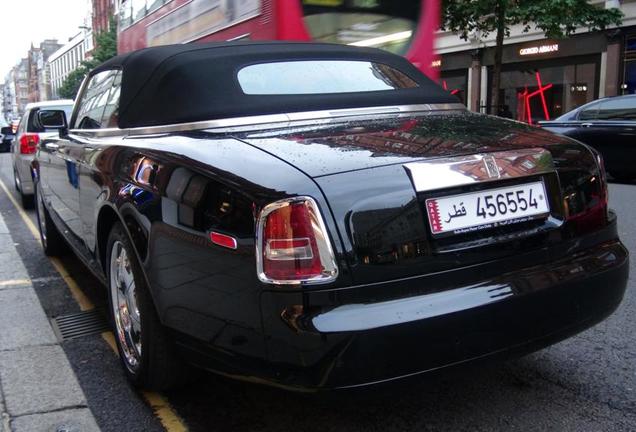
point(29, 134)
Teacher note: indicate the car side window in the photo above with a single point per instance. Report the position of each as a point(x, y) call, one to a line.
point(589, 113)
point(617, 109)
point(110, 118)
point(91, 107)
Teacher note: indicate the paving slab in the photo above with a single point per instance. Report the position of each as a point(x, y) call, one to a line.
point(22, 320)
point(11, 266)
point(38, 379)
point(3, 227)
point(72, 420)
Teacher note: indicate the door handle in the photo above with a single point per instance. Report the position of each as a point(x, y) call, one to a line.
point(586, 124)
point(51, 146)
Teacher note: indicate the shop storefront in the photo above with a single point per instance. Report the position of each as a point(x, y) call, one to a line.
point(628, 85)
point(453, 74)
point(547, 78)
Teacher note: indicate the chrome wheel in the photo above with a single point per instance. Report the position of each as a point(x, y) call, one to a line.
point(124, 303)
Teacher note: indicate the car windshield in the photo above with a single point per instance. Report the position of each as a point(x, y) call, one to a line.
point(320, 77)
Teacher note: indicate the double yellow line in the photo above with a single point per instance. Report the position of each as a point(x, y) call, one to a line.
point(159, 404)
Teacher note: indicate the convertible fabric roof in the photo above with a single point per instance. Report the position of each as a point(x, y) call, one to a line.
point(195, 82)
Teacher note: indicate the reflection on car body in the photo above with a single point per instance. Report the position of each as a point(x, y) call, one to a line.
point(28, 135)
point(247, 223)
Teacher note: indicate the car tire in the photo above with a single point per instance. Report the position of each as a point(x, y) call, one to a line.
point(52, 241)
point(622, 176)
point(146, 350)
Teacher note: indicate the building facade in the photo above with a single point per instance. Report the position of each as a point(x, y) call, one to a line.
point(21, 82)
point(541, 78)
point(39, 71)
point(102, 11)
point(9, 104)
point(68, 58)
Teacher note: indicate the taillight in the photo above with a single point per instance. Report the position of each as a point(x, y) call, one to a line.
point(29, 143)
point(292, 244)
point(587, 206)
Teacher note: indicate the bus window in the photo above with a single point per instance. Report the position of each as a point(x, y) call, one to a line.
point(385, 24)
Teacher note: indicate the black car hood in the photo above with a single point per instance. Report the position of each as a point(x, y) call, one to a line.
point(349, 145)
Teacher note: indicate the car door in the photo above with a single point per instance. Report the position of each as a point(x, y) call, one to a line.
point(63, 172)
point(93, 187)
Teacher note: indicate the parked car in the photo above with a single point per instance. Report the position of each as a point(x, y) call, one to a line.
point(6, 137)
point(319, 216)
point(28, 135)
point(608, 125)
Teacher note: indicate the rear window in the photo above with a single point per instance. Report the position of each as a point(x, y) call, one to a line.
point(34, 124)
point(320, 77)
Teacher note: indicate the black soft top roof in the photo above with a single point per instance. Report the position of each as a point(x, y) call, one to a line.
point(195, 82)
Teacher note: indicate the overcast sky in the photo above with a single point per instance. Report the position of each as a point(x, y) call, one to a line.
point(26, 21)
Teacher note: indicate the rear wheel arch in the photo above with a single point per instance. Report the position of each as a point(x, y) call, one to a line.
point(106, 219)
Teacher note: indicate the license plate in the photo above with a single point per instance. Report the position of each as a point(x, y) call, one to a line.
point(459, 214)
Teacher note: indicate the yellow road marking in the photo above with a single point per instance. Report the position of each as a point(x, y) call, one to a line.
point(77, 293)
point(159, 404)
point(11, 282)
point(30, 225)
point(166, 414)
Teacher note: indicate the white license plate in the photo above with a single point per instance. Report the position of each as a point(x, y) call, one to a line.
point(458, 214)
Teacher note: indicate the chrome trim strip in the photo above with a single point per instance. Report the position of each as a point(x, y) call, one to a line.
point(270, 118)
point(325, 250)
point(477, 168)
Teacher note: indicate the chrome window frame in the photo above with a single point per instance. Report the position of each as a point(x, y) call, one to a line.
point(276, 120)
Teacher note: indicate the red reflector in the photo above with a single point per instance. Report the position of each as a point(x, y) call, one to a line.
point(29, 143)
point(223, 240)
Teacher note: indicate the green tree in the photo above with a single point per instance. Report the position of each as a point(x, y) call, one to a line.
point(556, 18)
point(105, 48)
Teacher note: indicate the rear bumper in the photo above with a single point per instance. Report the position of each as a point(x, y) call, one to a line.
point(312, 347)
point(23, 170)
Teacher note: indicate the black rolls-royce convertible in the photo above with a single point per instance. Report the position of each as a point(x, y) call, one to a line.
point(319, 216)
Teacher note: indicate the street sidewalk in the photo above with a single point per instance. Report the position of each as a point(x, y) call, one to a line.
point(38, 389)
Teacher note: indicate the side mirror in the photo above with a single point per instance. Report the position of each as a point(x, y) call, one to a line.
point(53, 119)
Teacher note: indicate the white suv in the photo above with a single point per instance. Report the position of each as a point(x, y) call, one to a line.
point(29, 134)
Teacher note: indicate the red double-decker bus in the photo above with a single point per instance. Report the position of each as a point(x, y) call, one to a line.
point(406, 27)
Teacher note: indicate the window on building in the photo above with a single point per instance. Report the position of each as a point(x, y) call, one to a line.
point(628, 86)
point(455, 82)
point(545, 91)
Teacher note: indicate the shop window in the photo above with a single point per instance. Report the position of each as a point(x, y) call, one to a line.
point(532, 95)
point(455, 84)
point(629, 72)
